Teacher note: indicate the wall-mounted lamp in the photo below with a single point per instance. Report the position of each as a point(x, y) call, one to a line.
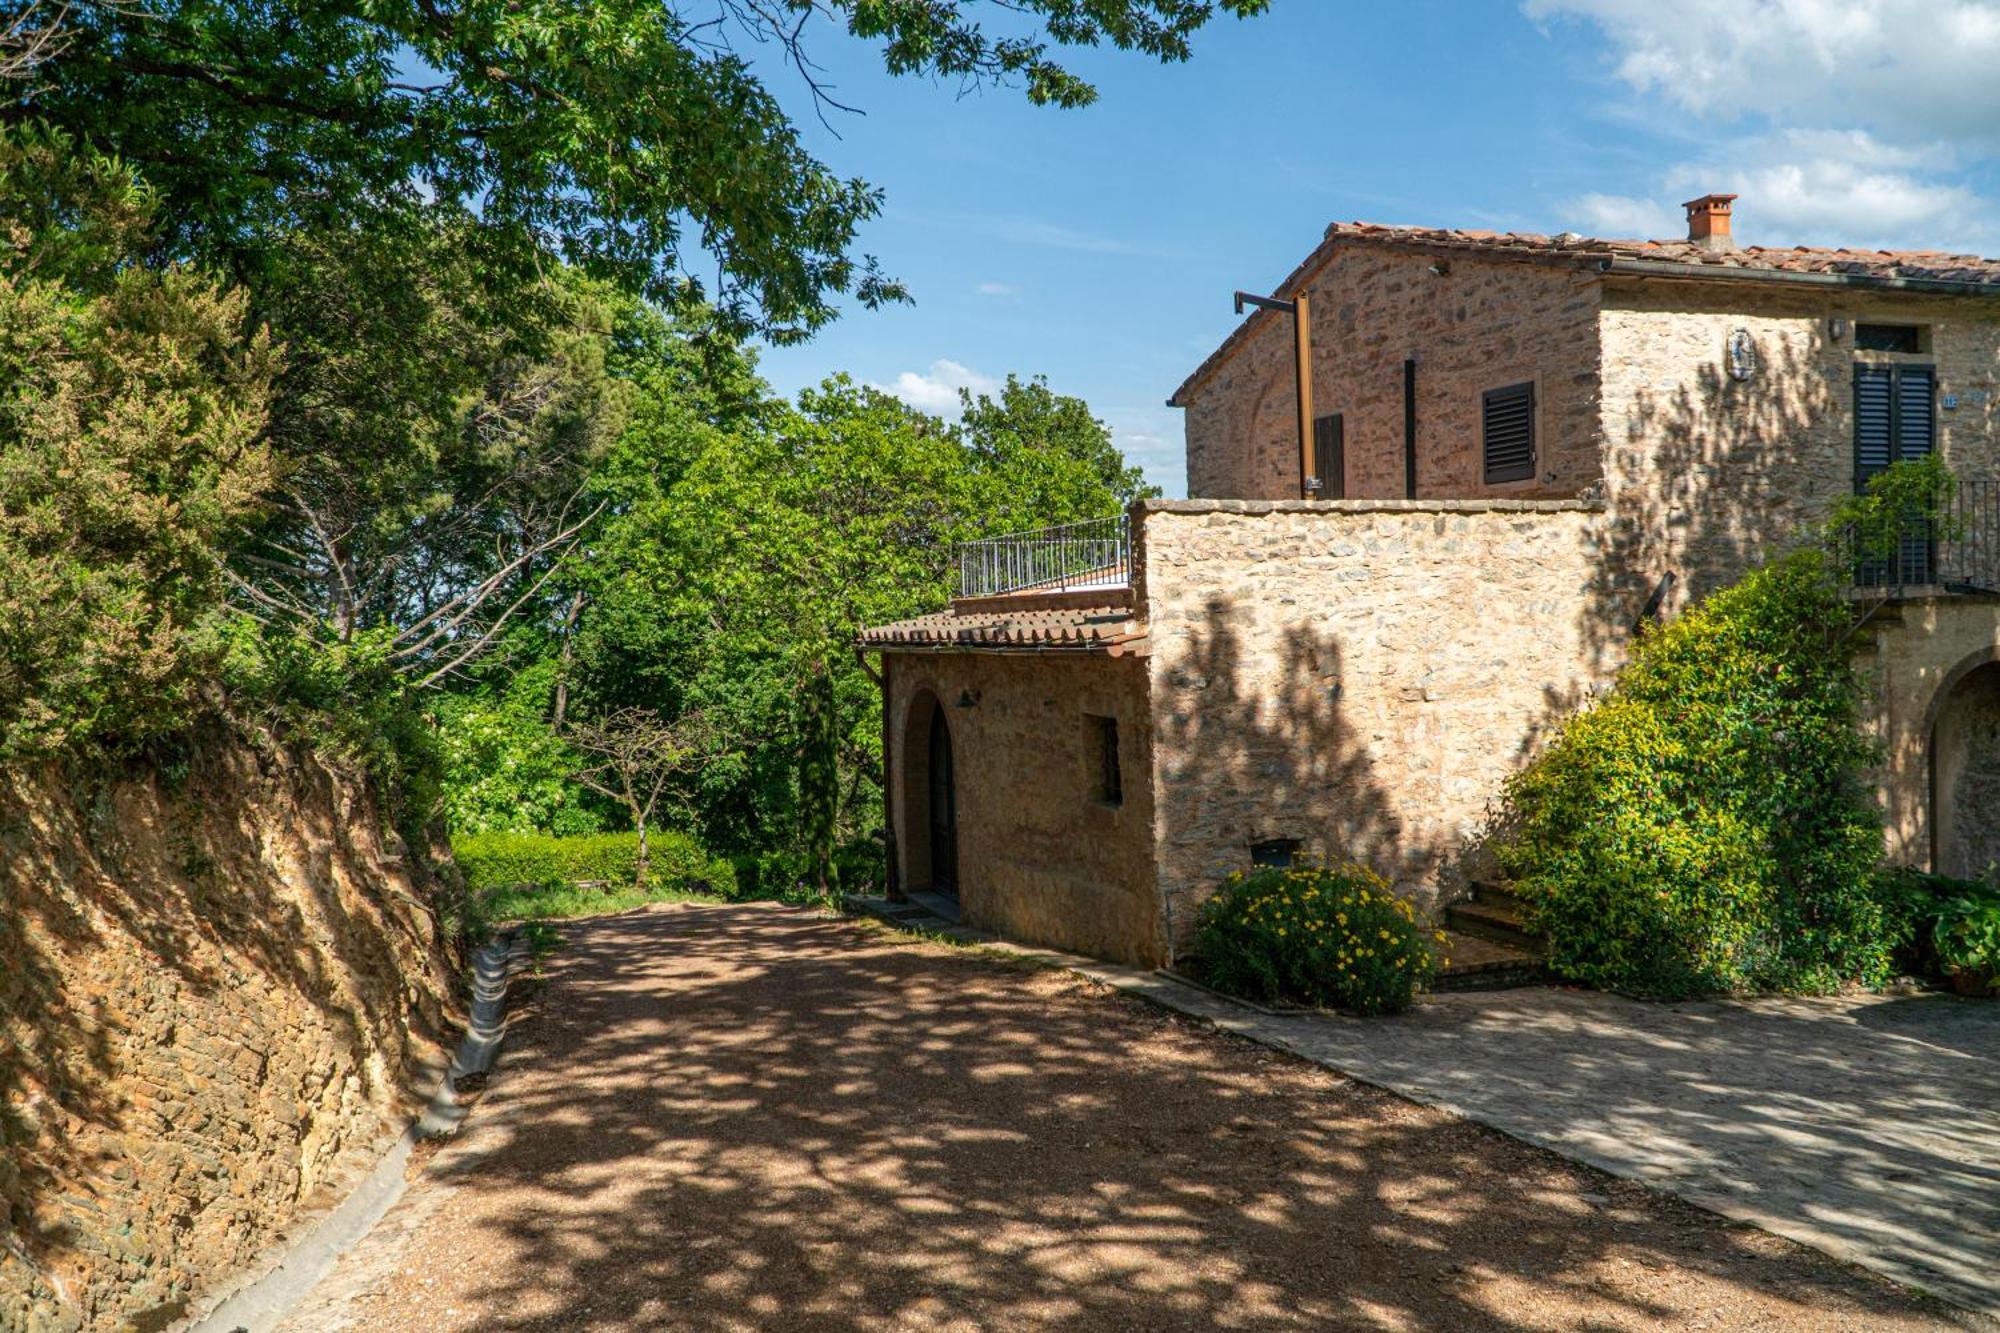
point(1441, 268)
point(1301, 314)
point(968, 698)
point(1836, 328)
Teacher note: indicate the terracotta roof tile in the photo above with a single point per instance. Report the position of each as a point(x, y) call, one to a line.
point(1084, 629)
point(1748, 263)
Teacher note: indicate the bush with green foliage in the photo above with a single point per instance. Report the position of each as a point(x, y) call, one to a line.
point(1707, 825)
point(1943, 925)
point(497, 860)
point(133, 404)
point(1331, 935)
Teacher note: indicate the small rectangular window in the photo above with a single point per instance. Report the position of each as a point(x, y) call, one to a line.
point(1110, 777)
point(1508, 419)
point(1888, 338)
point(1330, 457)
point(1275, 852)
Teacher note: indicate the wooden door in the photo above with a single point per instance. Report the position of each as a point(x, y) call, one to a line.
point(943, 809)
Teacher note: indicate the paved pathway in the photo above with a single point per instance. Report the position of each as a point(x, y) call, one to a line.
point(743, 1117)
point(1866, 1126)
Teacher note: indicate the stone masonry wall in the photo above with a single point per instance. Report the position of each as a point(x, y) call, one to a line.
point(1359, 676)
point(1040, 858)
point(1706, 474)
point(1916, 658)
point(1484, 324)
point(213, 994)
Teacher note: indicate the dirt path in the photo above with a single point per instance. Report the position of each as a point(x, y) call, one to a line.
point(741, 1117)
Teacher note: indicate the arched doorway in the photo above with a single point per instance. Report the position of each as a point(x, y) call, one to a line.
point(1965, 774)
point(941, 806)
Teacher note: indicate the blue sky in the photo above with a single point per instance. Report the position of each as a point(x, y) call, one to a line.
point(1099, 247)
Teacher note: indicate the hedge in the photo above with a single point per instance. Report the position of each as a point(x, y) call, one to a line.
point(496, 860)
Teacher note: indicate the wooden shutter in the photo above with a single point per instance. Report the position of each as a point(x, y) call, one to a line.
point(1874, 421)
point(1895, 420)
point(1330, 457)
point(1509, 418)
point(1916, 426)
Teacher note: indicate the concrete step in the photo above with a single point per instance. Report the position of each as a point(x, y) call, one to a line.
point(1482, 964)
point(1498, 922)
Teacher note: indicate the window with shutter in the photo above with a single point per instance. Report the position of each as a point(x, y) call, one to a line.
point(1895, 420)
point(1509, 427)
point(1330, 457)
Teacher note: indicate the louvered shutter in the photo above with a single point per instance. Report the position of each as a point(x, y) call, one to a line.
point(1509, 420)
point(1330, 457)
point(1895, 420)
point(1916, 427)
point(1874, 421)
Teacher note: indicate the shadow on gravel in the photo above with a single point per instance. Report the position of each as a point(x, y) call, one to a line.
point(735, 1116)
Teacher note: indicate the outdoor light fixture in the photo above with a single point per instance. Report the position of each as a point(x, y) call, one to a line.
point(1836, 328)
point(968, 698)
point(1301, 314)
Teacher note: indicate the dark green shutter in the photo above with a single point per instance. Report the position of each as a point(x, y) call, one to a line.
point(1874, 421)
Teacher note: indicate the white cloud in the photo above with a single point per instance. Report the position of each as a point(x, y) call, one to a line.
point(1621, 217)
point(1863, 115)
point(1909, 69)
point(998, 289)
point(936, 391)
point(1804, 187)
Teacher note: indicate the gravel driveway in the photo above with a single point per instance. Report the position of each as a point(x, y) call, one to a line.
point(745, 1117)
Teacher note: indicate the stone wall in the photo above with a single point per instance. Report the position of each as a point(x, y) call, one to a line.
point(1359, 676)
point(1040, 857)
point(1707, 474)
point(215, 991)
point(1484, 324)
point(1920, 661)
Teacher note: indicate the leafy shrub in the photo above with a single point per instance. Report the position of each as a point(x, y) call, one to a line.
point(858, 867)
point(498, 860)
point(1329, 935)
point(132, 450)
point(1706, 827)
point(1943, 925)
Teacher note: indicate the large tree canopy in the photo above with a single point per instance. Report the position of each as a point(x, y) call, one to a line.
point(633, 137)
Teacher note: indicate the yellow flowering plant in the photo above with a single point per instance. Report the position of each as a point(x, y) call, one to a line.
point(1331, 934)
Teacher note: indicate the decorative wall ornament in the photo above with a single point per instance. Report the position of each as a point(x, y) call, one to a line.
point(1742, 358)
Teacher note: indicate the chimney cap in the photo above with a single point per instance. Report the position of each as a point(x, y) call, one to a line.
point(1708, 222)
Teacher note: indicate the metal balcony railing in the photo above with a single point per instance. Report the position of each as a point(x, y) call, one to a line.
point(1959, 550)
point(1096, 553)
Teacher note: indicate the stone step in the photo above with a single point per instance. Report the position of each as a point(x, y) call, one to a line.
point(1482, 964)
point(1493, 893)
point(1498, 922)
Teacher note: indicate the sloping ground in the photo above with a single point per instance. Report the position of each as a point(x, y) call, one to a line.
point(213, 991)
point(743, 1117)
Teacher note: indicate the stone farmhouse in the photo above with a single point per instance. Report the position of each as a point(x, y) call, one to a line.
point(1519, 448)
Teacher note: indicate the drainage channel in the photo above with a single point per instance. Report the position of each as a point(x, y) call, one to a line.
point(263, 1302)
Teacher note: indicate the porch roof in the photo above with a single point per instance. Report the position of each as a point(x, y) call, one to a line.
point(1112, 630)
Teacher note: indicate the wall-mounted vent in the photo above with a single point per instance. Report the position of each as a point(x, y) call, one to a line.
point(1509, 430)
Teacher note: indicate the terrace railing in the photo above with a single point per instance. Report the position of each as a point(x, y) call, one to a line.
point(1959, 550)
point(1096, 553)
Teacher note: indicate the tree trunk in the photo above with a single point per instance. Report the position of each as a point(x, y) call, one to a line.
point(641, 864)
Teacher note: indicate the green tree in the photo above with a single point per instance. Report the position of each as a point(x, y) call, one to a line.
point(441, 428)
point(131, 448)
point(628, 136)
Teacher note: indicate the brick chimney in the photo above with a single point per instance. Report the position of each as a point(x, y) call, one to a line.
point(1708, 221)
